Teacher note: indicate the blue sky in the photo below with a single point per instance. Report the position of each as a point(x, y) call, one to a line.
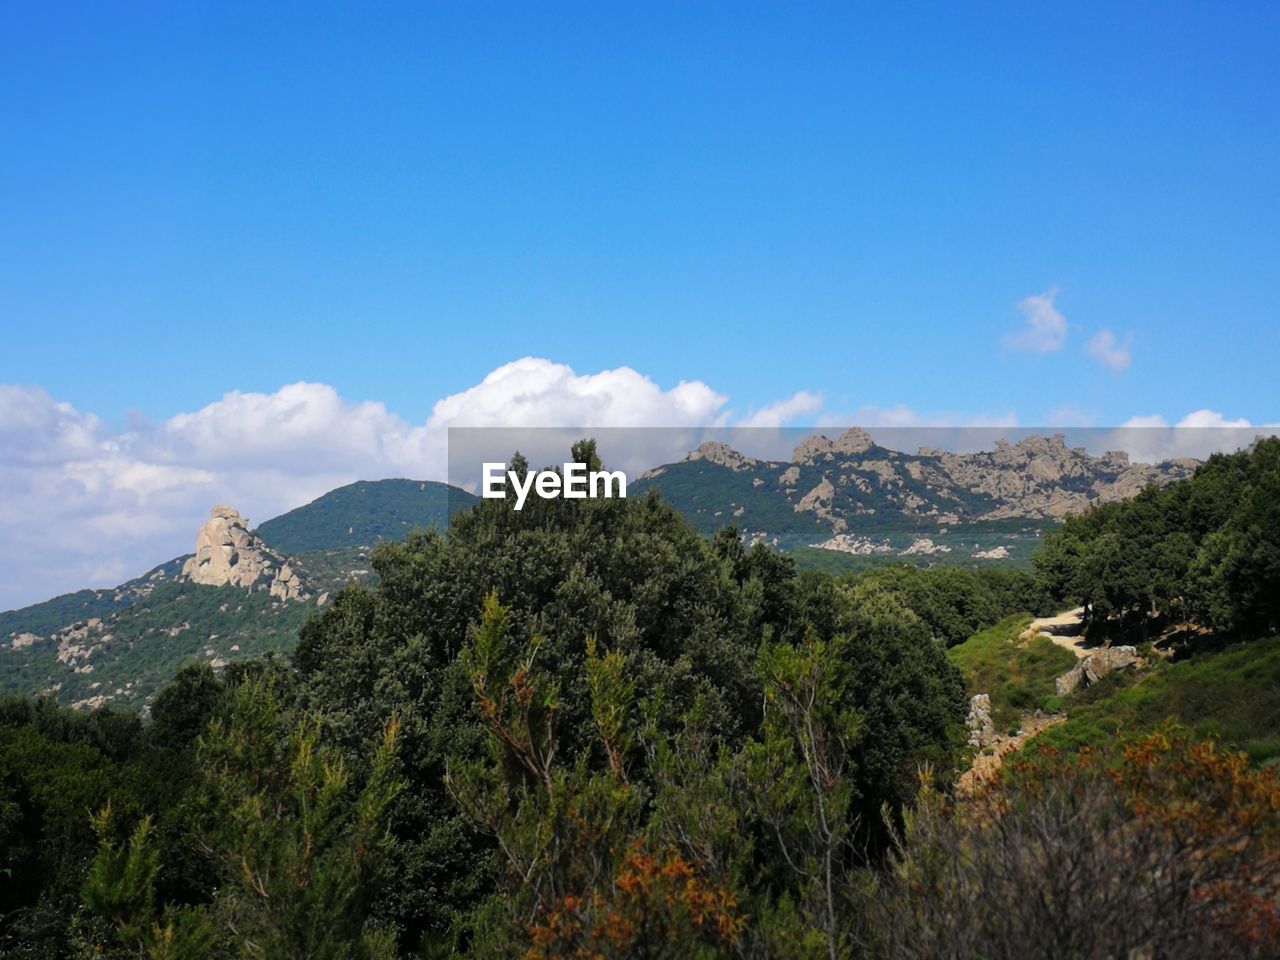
point(249, 252)
point(395, 200)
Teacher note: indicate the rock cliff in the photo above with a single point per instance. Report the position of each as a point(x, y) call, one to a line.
point(227, 553)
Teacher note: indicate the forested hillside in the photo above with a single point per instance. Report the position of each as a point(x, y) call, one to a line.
point(583, 729)
point(1204, 551)
point(362, 514)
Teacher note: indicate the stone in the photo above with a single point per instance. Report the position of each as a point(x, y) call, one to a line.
point(982, 728)
point(853, 441)
point(228, 554)
point(1094, 667)
point(715, 452)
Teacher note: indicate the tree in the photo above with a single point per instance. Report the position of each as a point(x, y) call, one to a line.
point(297, 839)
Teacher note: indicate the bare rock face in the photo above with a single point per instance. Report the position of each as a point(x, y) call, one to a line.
point(1094, 667)
point(813, 449)
point(715, 452)
point(982, 728)
point(818, 501)
point(227, 553)
point(1043, 477)
point(852, 442)
point(286, 585)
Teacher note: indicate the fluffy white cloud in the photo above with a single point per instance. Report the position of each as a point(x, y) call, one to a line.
point(1112, 353)
point(1045, 329)
point(1151, 439)
point(81, 504)
point(84, 504)
point(784, 411)
point(534, 392)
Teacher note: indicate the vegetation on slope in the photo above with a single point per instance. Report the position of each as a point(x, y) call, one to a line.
point(584, 729)
point(364, 513)
point(1017, 674)
point(1232, 694)
point(45, 617)
point(142, 647)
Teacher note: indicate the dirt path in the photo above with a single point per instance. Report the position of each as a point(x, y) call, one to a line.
point(1065, 630)
point(986, 766)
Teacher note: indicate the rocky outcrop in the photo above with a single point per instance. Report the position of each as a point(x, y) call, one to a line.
point(1043, 477)
point(1094, 667)
point(228, 554)
point(819, 502)
point(286, 585)
point(854, 544)
point(995, 553)
point(851, 443)
point(715, 452)
point(924, 547)
point(845, 480)
point(982, 728)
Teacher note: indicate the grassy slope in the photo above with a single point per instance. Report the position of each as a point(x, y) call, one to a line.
point(1016, 675)
point(1234, 694)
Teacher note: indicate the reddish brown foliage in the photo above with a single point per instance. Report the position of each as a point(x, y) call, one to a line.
point(658, 905)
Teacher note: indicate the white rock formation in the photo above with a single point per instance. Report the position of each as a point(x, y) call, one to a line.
point(227, 553)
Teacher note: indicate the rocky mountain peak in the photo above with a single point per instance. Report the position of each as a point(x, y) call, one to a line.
point(811, 449)
point(714, 451)
point(227, 553)
point(851, 443)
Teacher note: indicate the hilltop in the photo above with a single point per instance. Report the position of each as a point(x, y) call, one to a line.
point(837, 505)
point(243, 593)
point(868, 504)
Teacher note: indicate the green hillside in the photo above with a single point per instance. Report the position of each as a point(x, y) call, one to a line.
point(46, 617)
point(140, 649)
point(364, 513)
point(1016, 675)
point(1233, 694)
point(710, 496)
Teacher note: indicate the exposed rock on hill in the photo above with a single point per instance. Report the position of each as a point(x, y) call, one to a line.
point(723, 454)
point(228, 554)
point(1094, 667)
point(982, 728)
point(852, 483)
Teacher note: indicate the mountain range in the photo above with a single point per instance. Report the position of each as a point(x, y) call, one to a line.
point(839, 504)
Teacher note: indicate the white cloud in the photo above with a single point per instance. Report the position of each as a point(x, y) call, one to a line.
point(1045, 330)
point(1111, 353)
point(1150, 438)
point(777, 414)
point(533, 392)
point(83, 505)
point(1213, 420)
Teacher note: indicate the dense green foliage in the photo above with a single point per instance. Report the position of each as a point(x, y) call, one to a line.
point(1206, 549)
point(584, 729)
point(43, 618)
point(1233, 694)
point(1017, 674)
point(364, 513)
